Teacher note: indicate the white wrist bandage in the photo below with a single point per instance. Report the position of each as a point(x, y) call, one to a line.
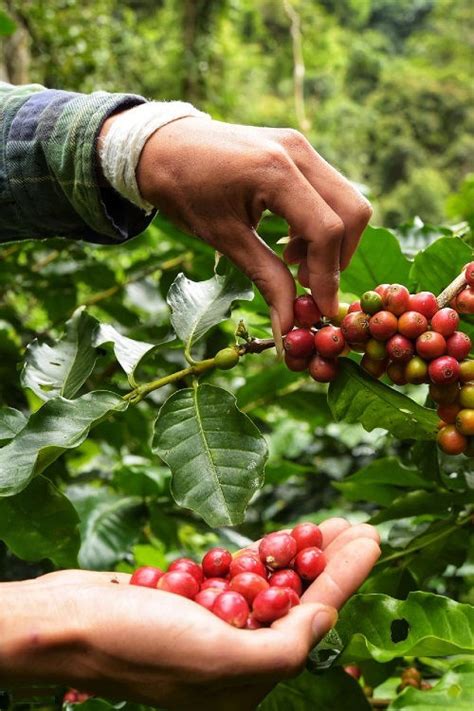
point(120, 151)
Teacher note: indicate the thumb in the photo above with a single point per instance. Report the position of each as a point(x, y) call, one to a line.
point(307, 622)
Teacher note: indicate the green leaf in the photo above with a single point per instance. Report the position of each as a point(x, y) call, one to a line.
point(455, 690)
point(62, 369)
point(267, 386)
point(11, 422)
point(357, 397)
point(380, 627)
point(377, 260)
point(40, 522)
point(334, 690)
point(198, 306)
point(215, 453)
point(7, 25)
point(436, 266)
point(110, 525)
point(59, 425)
point(416, 503)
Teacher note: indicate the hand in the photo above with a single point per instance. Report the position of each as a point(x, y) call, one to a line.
point(214, 180)
point(79, 628)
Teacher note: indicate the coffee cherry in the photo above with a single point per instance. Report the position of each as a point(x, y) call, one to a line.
point(465, 301)
point(248, 552)
point(353, 670)
point(180, 583)
point(220, 584)
point(376, 350)
point(247, 564)
point(396, 373)
point(252, 623)
point(445, 321)
point(450, 441)
point(465, 422)
point(299, 343)
point(469, 273)
point(381, 289)
point(323, 370)
point(342, 311)
point(226, 358)
point(416, 371)
point(383, 325)
point(396, 299)
point(424, 302)
point(294, 597)
point(430, 345)
point(355, 327)
point(444, 394)
point(271, 604)
point(400, 348)
point(466, 371)
point(466, 395)
point(371, 302)
point(146, 577)
point(305, 311)
point(309, 563)
point(207, 597)
point(443, 370)
point(329, 341)
point(355, 306)
point(232, 607)
point(458, 345)
point(248, 585)
point(297, 365)
point(412, 324)
point(189, 566)
point(375, 368)
point(307, 535)
point(448, 413)
point(277, 550)
point(286, 578)
point(216, 563)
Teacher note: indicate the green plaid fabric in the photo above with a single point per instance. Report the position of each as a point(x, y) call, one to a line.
point(49, 184)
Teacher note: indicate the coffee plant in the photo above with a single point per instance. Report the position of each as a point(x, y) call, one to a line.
point(146, 418)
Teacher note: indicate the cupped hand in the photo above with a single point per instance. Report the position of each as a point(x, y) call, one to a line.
point(214, 180)
point(164, 650)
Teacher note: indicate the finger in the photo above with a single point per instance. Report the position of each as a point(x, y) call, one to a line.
point(361, 530)
point(344, 573)
point(295, 251)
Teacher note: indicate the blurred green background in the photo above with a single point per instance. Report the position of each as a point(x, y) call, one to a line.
point(382, 88)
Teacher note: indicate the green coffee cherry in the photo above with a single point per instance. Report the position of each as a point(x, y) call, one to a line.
point(226, 359)
point(371, 302)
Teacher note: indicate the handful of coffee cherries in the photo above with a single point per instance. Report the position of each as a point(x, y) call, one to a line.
point(251, 588)
point(406, 336)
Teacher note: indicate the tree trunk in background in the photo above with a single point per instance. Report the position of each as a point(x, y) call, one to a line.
point(15, 59)
point(198, 18)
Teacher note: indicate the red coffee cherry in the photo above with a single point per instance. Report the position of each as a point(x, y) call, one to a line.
point(400, 348)
point(277, 550)
point(207, 597)
point(445, 321)
point(271, 604)
point(465, 422)
point(232, 607)
point(323, 370)
point(416, 371)
point(294, 597)
point(458, 345)
point(248, 585)
point(412, 324)
point(286, 578)
point(376, 350)
point(375, 368)
point(353, 670)
point(448, 413)
point(299, 343)
point(396, 373)
point(252, 623)
point(305, 311)
point(450, 441)
point(216, 563)
point(465, 301)
point(444, 394)
point(371, 302)
point(247, 564)
point(297, 365)
point(309, 563)
point(329, 341)
point(396, 299)
point(430, 345)
point(424, 302)
point(180, 583)
point(383, 325)
point(355, 327)
point(355, 306)
point(466, 395)
point(189, 566)
point(469, 273)
point(307, 535)
point(146, 577)
point(220, 584)
point(443, 370)
point(466, 371)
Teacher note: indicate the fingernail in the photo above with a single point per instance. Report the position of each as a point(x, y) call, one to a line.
point(276, 330)
point(323, 621)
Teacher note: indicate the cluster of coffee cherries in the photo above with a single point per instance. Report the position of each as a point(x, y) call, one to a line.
point(404, 336)
point(253, 587)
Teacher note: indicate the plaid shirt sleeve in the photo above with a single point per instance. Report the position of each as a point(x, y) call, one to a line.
point(49, 180)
